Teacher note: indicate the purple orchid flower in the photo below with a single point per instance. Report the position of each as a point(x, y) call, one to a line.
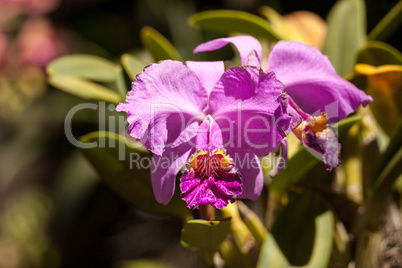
point(216, 121)
point(317, 95)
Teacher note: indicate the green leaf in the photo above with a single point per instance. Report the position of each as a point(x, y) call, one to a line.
point(303, 161)
point(346, 34)
point(156, 44)
point(230, 21)
point(83, 88)
point(124, 166)
point(86, 66)
point(271, 255)
point(390, 157)
point(90, 67)
point(204, 235)
point(295, 170)
point(132, 65)
point(378, 53)
point(302, 235)
point(388, 24)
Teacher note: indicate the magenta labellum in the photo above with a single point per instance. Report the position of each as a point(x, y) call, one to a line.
point(211, 177)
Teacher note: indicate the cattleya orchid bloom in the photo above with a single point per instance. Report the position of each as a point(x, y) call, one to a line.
point(317, 95)
point(217, 121)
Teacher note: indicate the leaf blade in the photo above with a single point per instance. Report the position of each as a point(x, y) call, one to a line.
point(205, 235)
point(83, 88)
point(85, 66)
point(229, 21)
point(156, 44)
point(346, 34)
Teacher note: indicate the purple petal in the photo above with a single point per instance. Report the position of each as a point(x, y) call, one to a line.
point(326, 144)
point(210, 180)
point(163, 99)
point(208, 72)
point(250, 169)
point(312, 82)
point(244, 44)
point(249, 107)
point(282, 160)
point(209, 136)
point(164, 169)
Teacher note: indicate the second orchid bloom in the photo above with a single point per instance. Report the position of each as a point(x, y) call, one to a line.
point(217, 122)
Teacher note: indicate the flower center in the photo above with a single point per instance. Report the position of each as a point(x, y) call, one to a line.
point(210, 177)
point(317, 134)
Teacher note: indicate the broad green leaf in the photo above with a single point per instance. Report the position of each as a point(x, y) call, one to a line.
point(295, 169)
point(132, 65)
point(271, 255)
point(388, 24)
point(83, 88)
point(323, 241)
point(302, 162)
point(378, 53)
point(86, 66)
point(204, 235)
point(156, 44)
point(301, 236)
point(384, 84)
point(346, 34)
point(124, 166)
point(230, 21)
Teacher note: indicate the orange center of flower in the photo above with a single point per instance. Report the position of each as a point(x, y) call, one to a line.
point(210, 164)
point(315, 124)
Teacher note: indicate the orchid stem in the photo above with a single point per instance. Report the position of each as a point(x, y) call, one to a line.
point(207, 212)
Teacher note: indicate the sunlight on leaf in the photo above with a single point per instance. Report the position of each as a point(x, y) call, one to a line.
point(86, 66)
point(132, 65)
point(346, 34)
point(229, 21)
point(157, 45)
point(84, 88)
point(205, 235)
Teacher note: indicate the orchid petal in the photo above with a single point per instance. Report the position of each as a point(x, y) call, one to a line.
point(249, 167)
point(249, 107)
point(208, 72)
point(163, 99)
point(164, 169)
point(306, 72)
point(282, 160)
point(243, 43)
point(209, 136)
